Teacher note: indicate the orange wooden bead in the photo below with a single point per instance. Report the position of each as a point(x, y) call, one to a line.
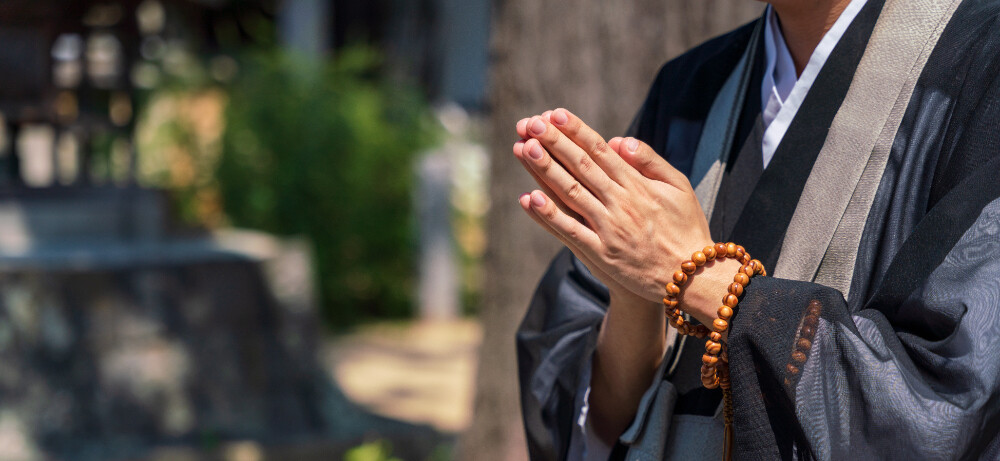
point(670, 301)
point(741, 278)
point(680, 277)
point(713, 347)
point(798, 357)
point(677, 313)
point(707, 371)
point(673, 289)
point(808, 332)
point(745, 259)
point(699, 258)
point(753, 264)
point(747, 270)
point(725, 313)
point(720, 325)
point(730, 249)
point(792, 369)
point(736, 289)
point(758, 266)
point(730, 300)
point(701, 332)
point(740, 252)
point(720, 250)
point(712, 385)
point(810, 320)
point(715, 336)
point(709, 360)
point(709, 252)
point(678, 322)
point(688, 267)
point(803, 344)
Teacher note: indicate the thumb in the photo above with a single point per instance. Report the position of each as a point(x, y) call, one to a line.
point(646, 161)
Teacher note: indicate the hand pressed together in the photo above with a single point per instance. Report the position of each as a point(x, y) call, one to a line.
point(626, 213)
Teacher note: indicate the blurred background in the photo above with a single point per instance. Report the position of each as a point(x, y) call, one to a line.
point(287, 229)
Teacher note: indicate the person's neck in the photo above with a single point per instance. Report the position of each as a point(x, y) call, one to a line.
point(804, 22)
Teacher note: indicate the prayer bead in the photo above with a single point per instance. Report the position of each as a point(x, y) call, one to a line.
point(680, 278)
point(725, 313)
point(707, 371)
point(699, 258)
point(720, 325)
point(720, 250)
point(715, 336)
point(792, 369)
point(730, 300)
point(810, 320)
point(709, 360)
point(713, 347)
point(736, 289)
point(673, 289)
point(730, 249)
point(747, 270)
point(798, 357)
point(803, 344)
point(670, 301)
point(709, 252)
point(741, 279)
point(808, 332)
point(688, 267)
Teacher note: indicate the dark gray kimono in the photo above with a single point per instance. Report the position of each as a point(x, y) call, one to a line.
point(908, 365)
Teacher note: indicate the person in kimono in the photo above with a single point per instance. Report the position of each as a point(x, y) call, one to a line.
point(853, 147)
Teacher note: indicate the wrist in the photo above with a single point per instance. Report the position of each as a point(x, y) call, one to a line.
point(704, 293)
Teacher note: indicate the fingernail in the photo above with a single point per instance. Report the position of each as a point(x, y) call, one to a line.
point(537, 126)
point(559, 117)
point(520, 198)
point(537, 200)
point(535, 152)
point(632, 144)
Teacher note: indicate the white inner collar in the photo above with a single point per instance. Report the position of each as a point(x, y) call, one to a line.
point(782, 92)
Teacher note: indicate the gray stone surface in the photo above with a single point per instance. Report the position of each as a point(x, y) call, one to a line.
point(118, 339)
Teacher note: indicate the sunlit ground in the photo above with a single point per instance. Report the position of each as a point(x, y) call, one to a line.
point(421, 372)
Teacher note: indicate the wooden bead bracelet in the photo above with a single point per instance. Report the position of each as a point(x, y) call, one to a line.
point(715, 361)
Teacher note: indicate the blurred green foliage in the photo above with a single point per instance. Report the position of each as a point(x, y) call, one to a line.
point(325, 150)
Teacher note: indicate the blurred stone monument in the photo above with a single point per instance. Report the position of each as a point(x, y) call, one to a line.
point(119, 331)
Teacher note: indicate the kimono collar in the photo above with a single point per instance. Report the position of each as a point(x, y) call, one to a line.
point(782, 92)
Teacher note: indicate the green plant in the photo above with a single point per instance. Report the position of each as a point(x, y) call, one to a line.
point(325, 150)
point(379, 450)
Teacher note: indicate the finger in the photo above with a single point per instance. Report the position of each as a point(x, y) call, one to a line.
point(591, 142)
point(525, 201)
point(522, 128)
point(519, 153)
point(646, 161)
point(567, 228)
point(547, 115)
point(574, 158)
point(615, 142)
point(566, 187)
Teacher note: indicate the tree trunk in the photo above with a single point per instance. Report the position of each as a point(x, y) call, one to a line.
point(597, 59)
